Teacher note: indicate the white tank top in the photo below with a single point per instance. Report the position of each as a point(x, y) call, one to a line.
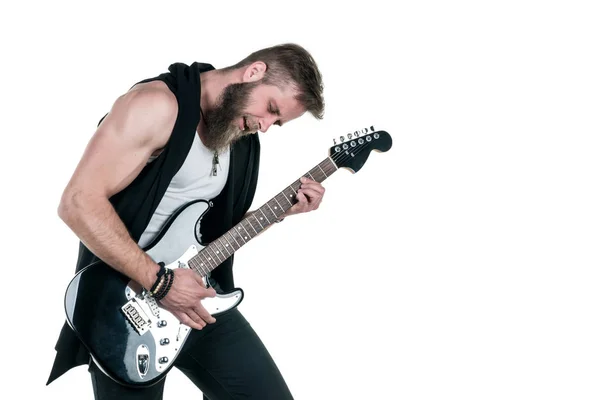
point(193, 181)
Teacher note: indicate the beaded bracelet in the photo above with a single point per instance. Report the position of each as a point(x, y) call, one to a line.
point(170, 277)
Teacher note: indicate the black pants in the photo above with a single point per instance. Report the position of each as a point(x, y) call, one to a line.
point(226, 360)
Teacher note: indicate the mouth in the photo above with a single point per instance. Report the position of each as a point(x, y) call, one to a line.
point(245, 125)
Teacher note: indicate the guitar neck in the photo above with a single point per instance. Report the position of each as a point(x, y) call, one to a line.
point(248, 228)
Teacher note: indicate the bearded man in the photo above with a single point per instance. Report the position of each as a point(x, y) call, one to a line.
point(182, 136)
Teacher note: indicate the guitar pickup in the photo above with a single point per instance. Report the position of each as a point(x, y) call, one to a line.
point(136, 316)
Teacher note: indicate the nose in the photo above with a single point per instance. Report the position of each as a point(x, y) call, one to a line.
point(265, 123)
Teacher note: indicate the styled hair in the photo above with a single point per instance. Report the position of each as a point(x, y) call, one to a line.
point(291, 64)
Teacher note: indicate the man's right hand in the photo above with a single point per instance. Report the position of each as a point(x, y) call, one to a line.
point(183, 299)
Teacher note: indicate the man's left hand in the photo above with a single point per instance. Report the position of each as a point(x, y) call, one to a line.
point(309, 197)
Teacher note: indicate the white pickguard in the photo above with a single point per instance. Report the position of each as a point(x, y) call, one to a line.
point(175, 248)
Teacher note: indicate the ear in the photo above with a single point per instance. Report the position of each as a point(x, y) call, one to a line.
point(254, 72)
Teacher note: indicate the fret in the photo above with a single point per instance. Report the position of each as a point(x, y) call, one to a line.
point(213, 250)
point(297, 185)
point(226, 245)
point(256, 225)
point(321, 173)
point(229, 245)
point(257, 220)
point(238, 235)
point(275, 198)
point(246, 229)
point(270, 210)
point(196, 266)
point(311, 177)
point(211, 256)
point(283, 196)
point(205, 265)
point(220, 250)
point(227, 250)
point(233, 237)
point(202, 265)
point(288, 196)
point(332, 164)
point(315, 172)
point(208, 263)
point(276, 207)
point(326, 176)
point(277, 214)
point(280, 198)
point(261, 211)
point(238, 231)
point(249, 223)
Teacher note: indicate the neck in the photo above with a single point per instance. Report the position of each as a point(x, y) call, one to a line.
point(212, 84)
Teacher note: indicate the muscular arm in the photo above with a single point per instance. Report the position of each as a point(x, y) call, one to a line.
point(139, 123)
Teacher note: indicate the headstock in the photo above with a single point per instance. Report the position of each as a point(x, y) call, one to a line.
point(352, 150)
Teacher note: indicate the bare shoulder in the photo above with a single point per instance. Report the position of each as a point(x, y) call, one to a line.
point(157, 88)
point(148, 111)
point(139, 123)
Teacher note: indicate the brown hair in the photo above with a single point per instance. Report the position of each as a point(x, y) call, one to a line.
point(291, 63)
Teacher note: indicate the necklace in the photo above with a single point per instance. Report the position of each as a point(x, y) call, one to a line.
point(215, 160)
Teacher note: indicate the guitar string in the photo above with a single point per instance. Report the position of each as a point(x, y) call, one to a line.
point(337, 157)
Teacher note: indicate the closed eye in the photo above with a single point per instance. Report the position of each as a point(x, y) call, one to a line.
point(275, 111)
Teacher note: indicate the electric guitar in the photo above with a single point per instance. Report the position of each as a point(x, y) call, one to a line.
point(135, 341)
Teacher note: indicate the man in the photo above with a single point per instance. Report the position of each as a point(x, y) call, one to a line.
point(171, 139)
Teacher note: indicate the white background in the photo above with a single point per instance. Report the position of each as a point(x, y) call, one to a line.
point(463, 263)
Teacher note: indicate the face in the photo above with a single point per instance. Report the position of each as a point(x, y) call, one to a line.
point(248, 107)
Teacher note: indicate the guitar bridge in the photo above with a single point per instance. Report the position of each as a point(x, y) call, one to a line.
point(136, 316)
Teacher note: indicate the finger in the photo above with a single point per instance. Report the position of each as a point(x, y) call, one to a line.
point(302, 204)
point(185, 319)
point(304, 180)
point(198, 316)
point(200, 280)
point(302, 199)
point(314, 186)
point(202, 313)
point(314, 199)
point(209, 292)
point(311, 194)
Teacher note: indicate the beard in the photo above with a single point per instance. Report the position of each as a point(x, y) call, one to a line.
point(222, 127)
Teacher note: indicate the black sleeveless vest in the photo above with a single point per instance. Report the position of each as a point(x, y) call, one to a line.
point(136, 204)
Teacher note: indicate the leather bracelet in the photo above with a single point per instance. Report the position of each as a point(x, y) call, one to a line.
point(159, 276)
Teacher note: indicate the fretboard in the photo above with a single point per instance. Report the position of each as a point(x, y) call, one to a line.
point(222, 248)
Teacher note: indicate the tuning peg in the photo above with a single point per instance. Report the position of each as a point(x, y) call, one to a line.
point(355, 134)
